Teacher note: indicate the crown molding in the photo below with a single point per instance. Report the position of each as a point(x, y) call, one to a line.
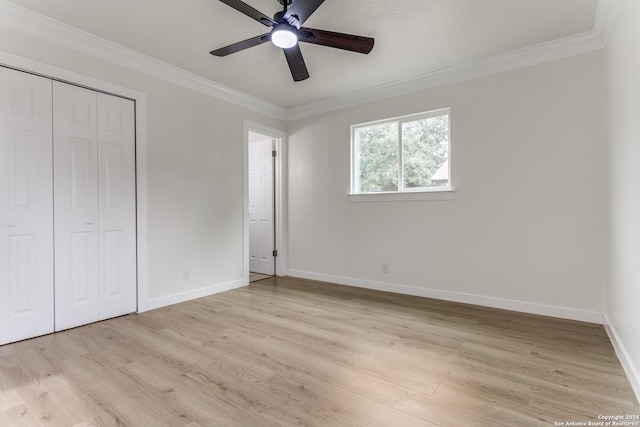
point(577, 44)
point(36, 25)
point(537, 54)
point(28, 22)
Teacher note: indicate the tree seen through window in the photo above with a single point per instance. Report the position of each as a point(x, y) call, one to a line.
point(401, 154)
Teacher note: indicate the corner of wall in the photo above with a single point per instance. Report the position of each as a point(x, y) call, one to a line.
point(633, 374)
point(605, 17)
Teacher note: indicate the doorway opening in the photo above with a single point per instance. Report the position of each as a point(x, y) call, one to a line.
point(262, 215)
point(264, 201)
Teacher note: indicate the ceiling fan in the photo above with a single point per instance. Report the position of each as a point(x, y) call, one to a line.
point(287, 31)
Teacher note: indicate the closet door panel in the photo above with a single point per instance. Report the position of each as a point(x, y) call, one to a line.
point(26, 206)
point(77, 298)
point(117, 208)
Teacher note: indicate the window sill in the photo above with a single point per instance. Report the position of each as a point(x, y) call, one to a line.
point(402, 196)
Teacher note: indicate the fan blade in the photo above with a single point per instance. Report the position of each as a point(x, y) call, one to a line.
point(349, 42)
point(301, 10)
point(245, 44)
point(250, 12)
point(296, 63)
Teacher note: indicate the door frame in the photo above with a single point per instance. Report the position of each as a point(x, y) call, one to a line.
point(140, 99)
point(280, 189)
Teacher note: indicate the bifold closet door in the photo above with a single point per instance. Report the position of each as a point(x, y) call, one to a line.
point(117, 206)
point(26, 207)
point(75, 154)
point(94, 205)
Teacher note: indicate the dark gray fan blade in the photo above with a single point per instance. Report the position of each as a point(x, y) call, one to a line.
point(250, 12)
point(296, 63)
point(349, 42)
point(301, 10)
point(245, 44)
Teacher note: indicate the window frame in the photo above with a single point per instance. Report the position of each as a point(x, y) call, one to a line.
point(401, 194)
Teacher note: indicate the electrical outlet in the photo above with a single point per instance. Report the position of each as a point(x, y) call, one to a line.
point(186, 274)
point(385, 267)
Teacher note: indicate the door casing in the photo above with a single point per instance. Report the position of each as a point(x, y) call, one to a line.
point(280, 189)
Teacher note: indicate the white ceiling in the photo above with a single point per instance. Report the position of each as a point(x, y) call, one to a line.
point(412, 38)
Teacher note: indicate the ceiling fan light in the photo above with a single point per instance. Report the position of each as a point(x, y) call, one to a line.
point(284, 38)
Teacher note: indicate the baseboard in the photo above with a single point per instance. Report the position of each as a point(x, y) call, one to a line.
point(189, 295)
point(505, 304)
point(633, 374)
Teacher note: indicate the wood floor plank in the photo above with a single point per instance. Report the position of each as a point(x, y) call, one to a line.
point(365, 361)
point(247, 395)
point(19, 416)
point(119, 396)
point(56, 402)
point(292, 352)
point(390, 393)
point(102, 420)
point(334, 405)
point(9, 399)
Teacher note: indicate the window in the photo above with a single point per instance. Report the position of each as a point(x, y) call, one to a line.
point(405, 154)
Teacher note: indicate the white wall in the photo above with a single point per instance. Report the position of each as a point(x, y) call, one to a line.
point(195, 175)
point(622, 308)
point(526, 228)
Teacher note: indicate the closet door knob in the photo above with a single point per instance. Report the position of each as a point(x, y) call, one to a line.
point(11, 224)
point(90, 221)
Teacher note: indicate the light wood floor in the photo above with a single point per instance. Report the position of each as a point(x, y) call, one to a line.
point(255, 277)
point(295, 352)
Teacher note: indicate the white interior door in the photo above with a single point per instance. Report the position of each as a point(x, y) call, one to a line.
point(117, 206)
point(26, 206)
point(95, 224)
point(75, 155)
point(261, 233)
